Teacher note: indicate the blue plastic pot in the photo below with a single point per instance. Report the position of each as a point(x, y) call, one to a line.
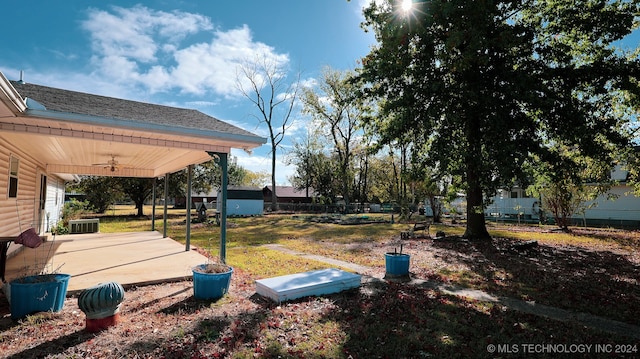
point(210, 286)
point(38, 293)
point(396, 264)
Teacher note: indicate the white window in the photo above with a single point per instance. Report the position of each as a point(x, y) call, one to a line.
point(14, 163)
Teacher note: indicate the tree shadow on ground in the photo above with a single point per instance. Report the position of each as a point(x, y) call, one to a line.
point(407, 321)
point(188, 305)
point(601, 283)
point(55, 346)
point(379, 319)
point(210, 337)
point(5, 311)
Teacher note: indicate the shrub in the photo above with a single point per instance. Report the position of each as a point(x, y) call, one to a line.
point(73, 209)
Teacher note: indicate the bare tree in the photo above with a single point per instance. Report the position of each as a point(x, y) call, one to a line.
point(264, 82)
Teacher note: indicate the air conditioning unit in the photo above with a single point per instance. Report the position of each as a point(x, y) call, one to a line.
point(88, 225)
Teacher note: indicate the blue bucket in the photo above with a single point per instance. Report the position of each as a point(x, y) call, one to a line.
point(210, 286)
point(38, 293)
point(397, 264)
point(63, 283)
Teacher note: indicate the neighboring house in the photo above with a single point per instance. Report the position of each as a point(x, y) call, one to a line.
point(49, 135)
point(289, 194)
point(508, 204)
point(242, 201)
point(618, 207)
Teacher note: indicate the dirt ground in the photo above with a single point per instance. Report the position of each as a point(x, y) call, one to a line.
point(164, 321)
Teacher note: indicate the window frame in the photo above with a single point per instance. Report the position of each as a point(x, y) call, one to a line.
point(12, 185)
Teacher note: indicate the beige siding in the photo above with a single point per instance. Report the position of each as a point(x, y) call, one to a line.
point(18, 214)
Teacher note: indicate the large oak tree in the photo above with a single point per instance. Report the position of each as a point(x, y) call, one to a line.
point(482, 86)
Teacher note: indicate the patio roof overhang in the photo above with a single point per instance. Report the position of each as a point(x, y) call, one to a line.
point(74, 143)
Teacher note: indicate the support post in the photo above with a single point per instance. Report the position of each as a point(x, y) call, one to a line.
point(153, 204)
point(224, 166)
point(188, 206)
point(166, 200)
point(223, 213)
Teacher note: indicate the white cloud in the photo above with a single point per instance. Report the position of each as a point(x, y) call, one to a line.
point(201, 104)
point(309, 82)
point(149, 48)
point(132, 32)
point(116, 66)
point(62, 55)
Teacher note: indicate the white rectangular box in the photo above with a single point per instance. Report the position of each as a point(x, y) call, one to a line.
point(319, 282)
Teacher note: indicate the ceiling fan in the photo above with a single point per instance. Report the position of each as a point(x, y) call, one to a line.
point(112, 164)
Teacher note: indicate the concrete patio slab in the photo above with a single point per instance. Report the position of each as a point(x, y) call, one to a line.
point(135, 258)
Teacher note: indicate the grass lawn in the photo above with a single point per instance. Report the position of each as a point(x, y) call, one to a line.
point(592, 271)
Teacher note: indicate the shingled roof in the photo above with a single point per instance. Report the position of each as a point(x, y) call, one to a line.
point(84, 104)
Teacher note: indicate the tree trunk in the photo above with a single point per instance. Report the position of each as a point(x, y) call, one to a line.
point(434, 204)
point(476, 226)
point(140, 207)
point(345, 188)
point(274, 197)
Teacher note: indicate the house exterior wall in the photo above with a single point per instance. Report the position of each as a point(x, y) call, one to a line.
point(513, 204)
point(526, 208)
point(20, 213)
point(242, 202)
point(623, 208)
point(242, 207)
point(618, 207)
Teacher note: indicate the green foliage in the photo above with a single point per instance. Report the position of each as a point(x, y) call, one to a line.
point(481, 86)
point(340, 115)
point(314, 169)
point(206, 176)
point(60, 228)
point(137, 189)
point(323, 178)
point(100, 192)
point(563, 199)
point(72, 209)
point(566, 193)
point(255, 179)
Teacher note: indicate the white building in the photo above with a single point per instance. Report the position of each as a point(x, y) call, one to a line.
point(618, 207)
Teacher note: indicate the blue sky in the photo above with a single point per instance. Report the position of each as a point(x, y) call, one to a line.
point(180, 53)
